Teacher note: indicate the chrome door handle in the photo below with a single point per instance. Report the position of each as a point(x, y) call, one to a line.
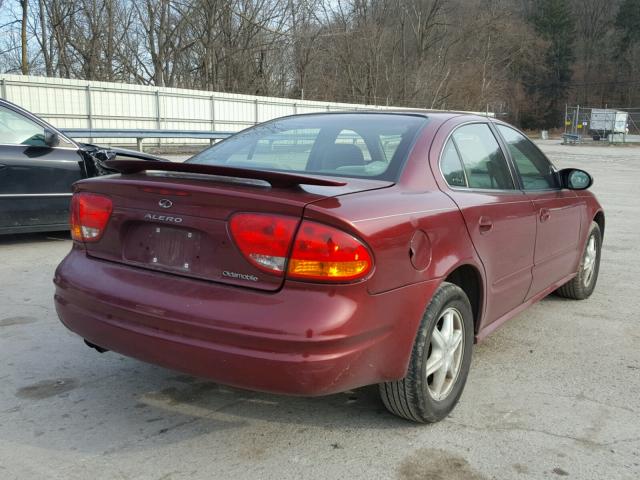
point(485, 224)
point(545, 214)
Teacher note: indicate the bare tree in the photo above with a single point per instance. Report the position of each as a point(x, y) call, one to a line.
point(24, 5)
point(43, 39)
point(460, 54)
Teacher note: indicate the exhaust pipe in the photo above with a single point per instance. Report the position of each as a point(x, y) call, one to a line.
point(95, 347)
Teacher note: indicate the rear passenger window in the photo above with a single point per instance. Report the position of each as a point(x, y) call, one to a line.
point(484, 163)
point(451, 166)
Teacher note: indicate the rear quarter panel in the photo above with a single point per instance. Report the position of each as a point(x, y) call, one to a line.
point(415, 231)
point(400, 226)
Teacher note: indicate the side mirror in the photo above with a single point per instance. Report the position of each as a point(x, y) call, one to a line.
point(51, 138)
point(575, 179)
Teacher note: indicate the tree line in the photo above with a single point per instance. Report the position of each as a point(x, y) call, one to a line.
point(523, 58)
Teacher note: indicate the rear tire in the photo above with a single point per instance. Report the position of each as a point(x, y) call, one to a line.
point(582, 285)
point(439, 362)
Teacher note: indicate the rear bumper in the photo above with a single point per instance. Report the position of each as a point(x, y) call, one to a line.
point(303, 340)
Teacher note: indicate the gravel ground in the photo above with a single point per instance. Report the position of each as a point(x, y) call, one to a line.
point(554, 393)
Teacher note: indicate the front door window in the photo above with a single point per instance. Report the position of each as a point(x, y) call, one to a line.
point(15, 129)
point(536, 172)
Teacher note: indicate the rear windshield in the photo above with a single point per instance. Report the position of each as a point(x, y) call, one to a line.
point(346, 145)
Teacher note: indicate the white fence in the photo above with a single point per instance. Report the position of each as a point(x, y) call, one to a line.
point(86, 104)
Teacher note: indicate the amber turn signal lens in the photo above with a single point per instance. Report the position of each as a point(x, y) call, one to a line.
point(321, 252)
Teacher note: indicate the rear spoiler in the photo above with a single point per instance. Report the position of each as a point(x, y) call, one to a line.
point(276, 179)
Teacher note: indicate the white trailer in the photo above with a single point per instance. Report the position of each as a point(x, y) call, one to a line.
point(607, 121)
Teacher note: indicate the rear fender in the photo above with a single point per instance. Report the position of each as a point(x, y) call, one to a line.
point(414, 236)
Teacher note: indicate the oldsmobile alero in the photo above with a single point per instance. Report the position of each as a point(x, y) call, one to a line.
point(318, 253)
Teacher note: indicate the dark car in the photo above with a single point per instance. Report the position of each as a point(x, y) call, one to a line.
point(38, 165)
point(319, 253)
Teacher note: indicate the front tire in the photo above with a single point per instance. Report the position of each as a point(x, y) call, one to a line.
point(439, 363)
point(582, 285)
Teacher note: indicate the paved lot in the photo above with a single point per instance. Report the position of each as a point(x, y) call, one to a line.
point(554, 393)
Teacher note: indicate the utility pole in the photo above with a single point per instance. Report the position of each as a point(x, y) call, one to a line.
point(25, 62)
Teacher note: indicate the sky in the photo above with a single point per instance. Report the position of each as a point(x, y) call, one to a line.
point(8, 12)
point(6, 8)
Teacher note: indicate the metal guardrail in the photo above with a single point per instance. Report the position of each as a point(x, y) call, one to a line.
point(139, 135)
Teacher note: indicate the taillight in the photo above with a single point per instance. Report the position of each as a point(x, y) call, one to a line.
point(264, 239)
point(319, 252)
point(89, 216)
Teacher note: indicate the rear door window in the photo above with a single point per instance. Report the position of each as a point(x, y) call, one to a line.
point(485, 166)
point(451, 166)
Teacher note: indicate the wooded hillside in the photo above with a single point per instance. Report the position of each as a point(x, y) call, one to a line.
point(525, 58)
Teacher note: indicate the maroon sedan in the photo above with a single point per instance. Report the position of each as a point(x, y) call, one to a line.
point(314, 254)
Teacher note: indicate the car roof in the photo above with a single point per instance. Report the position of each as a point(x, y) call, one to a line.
point(439, 115)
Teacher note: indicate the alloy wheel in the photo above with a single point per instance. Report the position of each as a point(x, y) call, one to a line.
point(589, 264)
point(446, 350)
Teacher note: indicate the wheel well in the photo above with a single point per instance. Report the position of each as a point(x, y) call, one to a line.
point(468, 279)
point(599, 219)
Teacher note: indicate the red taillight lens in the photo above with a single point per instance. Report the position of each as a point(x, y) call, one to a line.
point(89, 216)
point(321, 252)
point(264, 239)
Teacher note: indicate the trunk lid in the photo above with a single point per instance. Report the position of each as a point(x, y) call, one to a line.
point(177, 223)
